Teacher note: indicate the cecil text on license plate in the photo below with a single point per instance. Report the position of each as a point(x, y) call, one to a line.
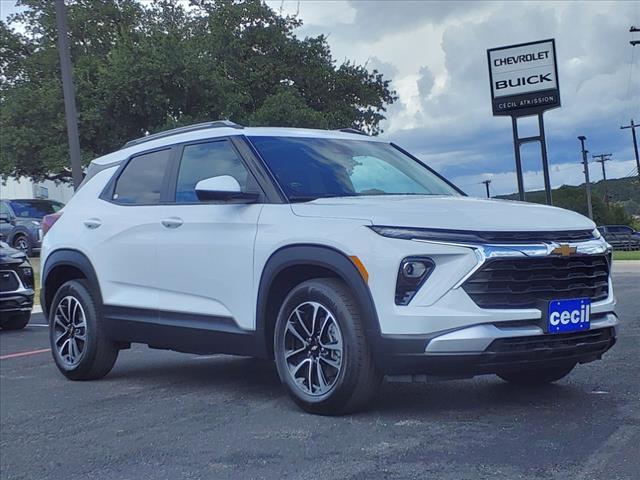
point(569, 315)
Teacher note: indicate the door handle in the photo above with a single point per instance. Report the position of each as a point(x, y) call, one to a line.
point(172, 222)
point(92, 223)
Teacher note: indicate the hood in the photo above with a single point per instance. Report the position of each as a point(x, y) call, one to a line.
point(22, 220)
point(445, 212)
point(11, 255)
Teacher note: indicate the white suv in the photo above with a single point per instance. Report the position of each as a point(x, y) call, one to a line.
point(340, 255)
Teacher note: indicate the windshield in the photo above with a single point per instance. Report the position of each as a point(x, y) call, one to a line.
point(35, 208)
point(310, 168)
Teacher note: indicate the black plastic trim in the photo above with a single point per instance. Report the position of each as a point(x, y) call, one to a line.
point(181, 332)
point(72, 258)
point(405, 355)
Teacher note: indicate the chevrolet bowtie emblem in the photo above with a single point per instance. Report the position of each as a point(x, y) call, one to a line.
point(564, 250)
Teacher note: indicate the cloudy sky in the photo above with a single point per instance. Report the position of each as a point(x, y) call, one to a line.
point(435, 54)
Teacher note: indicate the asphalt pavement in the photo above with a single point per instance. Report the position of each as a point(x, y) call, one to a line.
point(165, 415)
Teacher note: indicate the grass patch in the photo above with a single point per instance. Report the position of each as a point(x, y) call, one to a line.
point(621, 255)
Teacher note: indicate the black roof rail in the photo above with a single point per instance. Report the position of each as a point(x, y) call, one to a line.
point(353, 130)
point(176, 131)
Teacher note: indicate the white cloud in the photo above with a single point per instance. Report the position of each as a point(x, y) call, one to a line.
point(438, 51)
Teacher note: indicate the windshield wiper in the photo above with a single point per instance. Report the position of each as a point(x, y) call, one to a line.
point(310, 198)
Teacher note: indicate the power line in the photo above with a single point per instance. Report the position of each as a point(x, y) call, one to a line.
point(604, 157)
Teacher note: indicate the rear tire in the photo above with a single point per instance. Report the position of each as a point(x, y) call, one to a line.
point(78, 342)
point(333, 372)
point(17, 321)
point(538, 376)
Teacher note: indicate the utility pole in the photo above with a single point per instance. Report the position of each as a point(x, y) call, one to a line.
point(634, 42)
point(633, 127)
point(486, 184)
point(604, 157)
point(582, 138)
point(69, 93)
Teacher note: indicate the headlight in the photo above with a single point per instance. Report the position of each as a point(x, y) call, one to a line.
point(412, 274)
point(35, 222)
point(452, 236)
point(596, 233)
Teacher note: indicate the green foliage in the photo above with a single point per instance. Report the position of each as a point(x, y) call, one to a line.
point(624, 198)
point(141, 67)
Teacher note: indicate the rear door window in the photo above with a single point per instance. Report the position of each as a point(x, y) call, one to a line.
point(140, 183)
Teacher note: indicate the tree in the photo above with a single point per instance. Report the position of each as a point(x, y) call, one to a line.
point(142, 68)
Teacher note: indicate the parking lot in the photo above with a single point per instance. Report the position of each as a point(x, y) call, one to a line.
point(167, 415)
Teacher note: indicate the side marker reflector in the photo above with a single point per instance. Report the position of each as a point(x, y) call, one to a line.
point(360, 266)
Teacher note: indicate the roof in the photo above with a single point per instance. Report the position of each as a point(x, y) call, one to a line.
point(218, 129)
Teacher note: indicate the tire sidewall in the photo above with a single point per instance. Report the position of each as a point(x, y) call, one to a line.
point(315, 291)
point(80, 292)
point(29, 249)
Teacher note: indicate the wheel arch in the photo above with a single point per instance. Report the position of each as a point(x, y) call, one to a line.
point(294, 264)
point(17, 231)
point(64, 265)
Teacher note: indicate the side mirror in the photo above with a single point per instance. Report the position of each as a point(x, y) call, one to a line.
point(223, 187)
point(4, 218)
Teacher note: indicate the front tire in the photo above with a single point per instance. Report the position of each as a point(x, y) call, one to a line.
point(78, 342)
point(538, 376)
point(22, 243)
point(321, 351)
point(16, 321)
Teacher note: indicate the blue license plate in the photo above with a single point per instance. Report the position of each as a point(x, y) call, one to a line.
point(569, 315)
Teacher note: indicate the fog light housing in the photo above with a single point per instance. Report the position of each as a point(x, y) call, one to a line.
point(412, 274)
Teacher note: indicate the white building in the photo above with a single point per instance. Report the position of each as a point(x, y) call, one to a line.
point(26, 188)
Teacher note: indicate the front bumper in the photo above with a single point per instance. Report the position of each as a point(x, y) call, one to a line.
point(18, 301)
point(493, 348)
point(443, 331)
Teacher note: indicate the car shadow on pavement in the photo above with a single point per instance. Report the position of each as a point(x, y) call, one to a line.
point(481, 394)
point(208, 372)
point(257, 379)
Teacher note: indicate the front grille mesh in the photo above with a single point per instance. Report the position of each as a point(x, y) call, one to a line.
point(528, 282)
point(8, 281)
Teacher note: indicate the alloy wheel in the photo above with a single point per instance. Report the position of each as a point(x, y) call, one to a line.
point(70, 331)
point(22, 244)
point(313, 348)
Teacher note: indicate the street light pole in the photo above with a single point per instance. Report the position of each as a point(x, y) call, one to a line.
point(69, 93)
point(582, 138)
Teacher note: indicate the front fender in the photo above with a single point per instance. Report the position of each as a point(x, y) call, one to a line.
point(321, 256)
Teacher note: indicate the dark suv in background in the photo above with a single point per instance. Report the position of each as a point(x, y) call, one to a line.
point(16, 288)
point(20, 222)
point(621, 237)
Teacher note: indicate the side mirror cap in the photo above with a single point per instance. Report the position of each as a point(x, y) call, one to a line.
point(223, 187)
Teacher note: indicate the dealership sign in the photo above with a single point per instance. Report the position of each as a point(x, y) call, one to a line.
point(524, 78)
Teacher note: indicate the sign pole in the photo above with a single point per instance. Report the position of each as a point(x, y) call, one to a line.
point(516, 149)
point(524, 83)
point(545, 161)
